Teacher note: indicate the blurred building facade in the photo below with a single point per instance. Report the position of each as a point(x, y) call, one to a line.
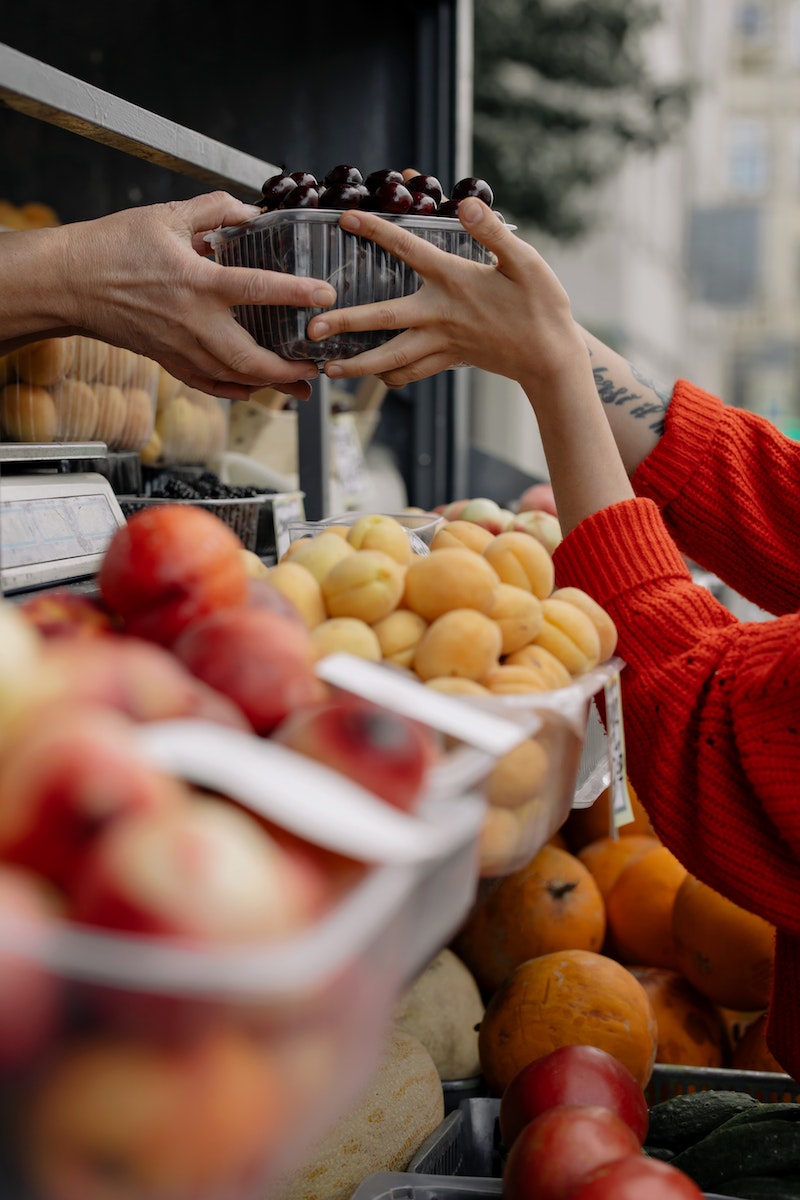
point(694, 267)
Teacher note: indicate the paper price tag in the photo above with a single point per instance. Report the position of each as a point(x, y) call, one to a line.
point(621, 810)
point(286, 508)
point(347, 455)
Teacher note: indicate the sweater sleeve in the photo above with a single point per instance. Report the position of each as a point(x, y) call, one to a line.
point(728, 485)
point(711, 710)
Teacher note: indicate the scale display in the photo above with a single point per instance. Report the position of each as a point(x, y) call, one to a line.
point(54, 529)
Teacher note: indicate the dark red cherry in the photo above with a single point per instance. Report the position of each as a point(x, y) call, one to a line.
point(343, 174)
point(302, 196)
point(378, 178)
point(422, 205)
point(392, 197)
point(342, 195)
point(448, 208)
point(276, 189)
point(428, 184)
point(305, 179)
point(471, 186)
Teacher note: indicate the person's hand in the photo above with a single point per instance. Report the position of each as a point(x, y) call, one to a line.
point(512, 318)
point(142, 278)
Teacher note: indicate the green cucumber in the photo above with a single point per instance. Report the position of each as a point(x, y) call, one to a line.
point(682, 1120)
point(733, 1151)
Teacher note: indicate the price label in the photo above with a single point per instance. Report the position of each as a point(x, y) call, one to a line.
point(621, 810)
point(347, 456)
point(286, 508)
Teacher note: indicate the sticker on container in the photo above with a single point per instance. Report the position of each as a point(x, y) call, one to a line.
point(348, 457)
point(286, 509)
point(621, 810)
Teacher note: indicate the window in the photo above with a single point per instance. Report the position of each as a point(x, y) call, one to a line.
point(747, 157)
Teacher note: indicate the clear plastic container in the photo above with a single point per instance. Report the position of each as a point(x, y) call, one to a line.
point(310, 242)
point(77, 389)
point(420, 527)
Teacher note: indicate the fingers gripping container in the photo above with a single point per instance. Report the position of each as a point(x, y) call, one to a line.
point(309, 242)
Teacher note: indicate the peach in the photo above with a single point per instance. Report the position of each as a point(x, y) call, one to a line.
point(195, 1119)
point(90, 360)
point(45, 362)
point(261, 660)
point(63, 613)
point(345, 635)
point(27, 413)
point(550, 669)
point(539, 496)
point(519, 615)
point(382, 751)
point(202, 870)
point(367, 584)
point(377, 531)
point(112, 412)
point(30, 995)
point(457, 685)
point(485, 512)
point(507, 679)
point(541, 525)
point(177, 426)
point(76, 410)
point(399, 635)
point(448, 579)
point(70, 769)
point(461, 533)
point(522, 561)
point(318, 554)
point(517, 775)
point(453, 510)
point(168, 566)
point(301, 588)
point(603, 623)
point(570, 635)
point(460, 642)
point(20, 665)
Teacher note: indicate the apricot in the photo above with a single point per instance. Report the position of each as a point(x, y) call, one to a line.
point(499, 840)
point(345, 635)
point(153, 450)
point(367, 584)
point(90, 360)
point(178, 426)
point(76, 410)
point(449, 579)
point(459, 642)
point(167, 387)
point(506, 679)
point(145, 374)
point(462, 533)
point(519, 615)
point(299, 586)
point(27, 413)
point(318, 554)
point(457, 685)
point(551, 669)
point(570, 635)
point(517, 775)
point(521, 560)
point(112, 410)
point(140, 419)
point(606, 629)
point(45, 362)
point(255, 567)
point(381, 532)
point(399, 635)
point(120, 365)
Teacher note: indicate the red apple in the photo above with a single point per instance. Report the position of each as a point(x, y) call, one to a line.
point(257, 658)
point(204, 871)
point(30, 992)
point(572, 1075)
point(168, 566)
point(380, 750)
point(538, 496)
point(555, 1151)
point(61, 613)
point(71, 769)
point(635, 1177)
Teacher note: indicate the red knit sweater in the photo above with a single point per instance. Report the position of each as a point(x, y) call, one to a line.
point(711, 705)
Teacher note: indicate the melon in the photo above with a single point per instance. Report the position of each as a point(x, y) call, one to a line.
point(443, 1009)
point(402, 1106)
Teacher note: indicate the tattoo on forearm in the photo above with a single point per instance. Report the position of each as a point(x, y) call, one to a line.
point(653, 411)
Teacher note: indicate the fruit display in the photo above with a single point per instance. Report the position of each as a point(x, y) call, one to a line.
point(298, 232)
point(199, 968)
point(469, 609)
point(190, 426)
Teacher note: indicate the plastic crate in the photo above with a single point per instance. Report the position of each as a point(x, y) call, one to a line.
point(395, 1185)
point(766, 1086)
point(467, 1143)
point(245, 516)
point(458, 1090)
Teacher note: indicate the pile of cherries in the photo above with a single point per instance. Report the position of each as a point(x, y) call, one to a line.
point(384, 191)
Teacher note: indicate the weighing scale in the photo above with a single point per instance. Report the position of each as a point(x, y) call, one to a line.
point(55, 521)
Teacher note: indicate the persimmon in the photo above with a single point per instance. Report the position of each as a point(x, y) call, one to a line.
point(569, 997)
point(639, 909)
point(727, 952)
point(751, 1052)
point(552, 903)
point(607, 857)
point(584, 825)
point(691, 1030)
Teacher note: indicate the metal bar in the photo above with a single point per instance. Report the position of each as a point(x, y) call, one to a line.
point(313, 449)
point(38, 90)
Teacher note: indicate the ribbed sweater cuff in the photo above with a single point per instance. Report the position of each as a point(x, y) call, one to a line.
point(692, 422)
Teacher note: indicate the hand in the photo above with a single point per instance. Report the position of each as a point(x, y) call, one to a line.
point(142, 278)
point(512, 318)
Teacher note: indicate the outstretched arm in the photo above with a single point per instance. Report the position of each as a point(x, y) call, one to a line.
point(142, 278)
